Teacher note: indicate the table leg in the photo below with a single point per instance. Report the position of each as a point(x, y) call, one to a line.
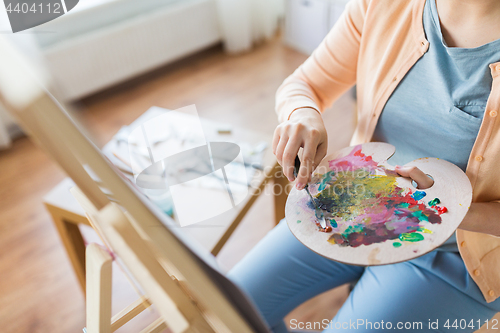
point(281, 188)
point(73, 242)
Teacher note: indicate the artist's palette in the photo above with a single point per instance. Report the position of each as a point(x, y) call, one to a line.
point(378, 217)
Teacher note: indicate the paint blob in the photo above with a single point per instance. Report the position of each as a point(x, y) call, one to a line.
point(418, 195)
point(434, 202)
point(365, 205)
point(441, 210)
point(411, 237)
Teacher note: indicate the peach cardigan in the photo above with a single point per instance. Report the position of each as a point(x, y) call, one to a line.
point(373, 45)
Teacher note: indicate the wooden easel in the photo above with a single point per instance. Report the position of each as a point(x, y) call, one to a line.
point(190, 294)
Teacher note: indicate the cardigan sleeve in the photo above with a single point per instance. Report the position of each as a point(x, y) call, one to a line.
point(330, 70)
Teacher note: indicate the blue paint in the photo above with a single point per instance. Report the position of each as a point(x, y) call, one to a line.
point(418, 195)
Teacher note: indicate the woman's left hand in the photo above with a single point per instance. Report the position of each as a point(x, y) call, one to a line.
point(482, 216)
point(423, 181)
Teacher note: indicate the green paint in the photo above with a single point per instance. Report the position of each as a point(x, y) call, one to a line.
point(333, 223)
point(298, 221)
point(420, 216)
point(327, 178)
point(411, 237)
point(352, 229)
point(396, 244)
point(434, 202)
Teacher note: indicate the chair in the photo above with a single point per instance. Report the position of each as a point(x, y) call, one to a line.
point(178, 277)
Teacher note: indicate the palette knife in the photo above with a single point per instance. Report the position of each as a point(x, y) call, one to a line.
point(318, 212)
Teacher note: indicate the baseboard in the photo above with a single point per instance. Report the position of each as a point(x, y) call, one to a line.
point(87, 64)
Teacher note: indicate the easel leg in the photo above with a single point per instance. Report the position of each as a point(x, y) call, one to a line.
point(156, 327)
point(98, 289)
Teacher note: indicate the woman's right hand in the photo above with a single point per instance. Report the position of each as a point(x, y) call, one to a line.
point(304, 128)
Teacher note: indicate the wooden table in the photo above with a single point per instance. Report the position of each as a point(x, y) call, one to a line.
point(212, 233)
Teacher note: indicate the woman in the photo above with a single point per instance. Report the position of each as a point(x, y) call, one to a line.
point(428, 82)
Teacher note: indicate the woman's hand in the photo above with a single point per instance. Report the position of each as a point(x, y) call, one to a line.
point(423, 181)
point(305, 128)
point(481, 217)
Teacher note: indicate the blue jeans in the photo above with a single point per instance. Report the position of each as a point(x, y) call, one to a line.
point(280, 273)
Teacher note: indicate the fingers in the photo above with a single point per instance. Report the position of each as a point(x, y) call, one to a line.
point(306, 130)
point(307, 161)
point(288, 158)
point(276, 139)
point(320, 154)
point(286, 150)
point(423, 181)
point(281, 148)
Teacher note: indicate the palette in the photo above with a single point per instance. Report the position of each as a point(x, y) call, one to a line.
point(378, 217)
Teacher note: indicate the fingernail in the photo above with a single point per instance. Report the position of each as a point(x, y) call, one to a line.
point(397, 167)
point(299, 186)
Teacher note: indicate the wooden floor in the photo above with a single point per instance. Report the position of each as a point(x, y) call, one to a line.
point(38, 290)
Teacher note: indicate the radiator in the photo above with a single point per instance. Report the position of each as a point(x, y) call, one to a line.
point(86, 64)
